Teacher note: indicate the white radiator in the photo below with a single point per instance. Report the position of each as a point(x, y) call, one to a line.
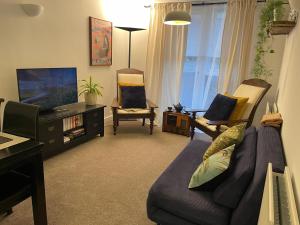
point(278, 204)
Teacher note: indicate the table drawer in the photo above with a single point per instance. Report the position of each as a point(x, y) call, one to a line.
point(94, 127)
point(93, 116)
point(51, 129)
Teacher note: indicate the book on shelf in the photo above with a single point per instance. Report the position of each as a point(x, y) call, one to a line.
point(72, 122)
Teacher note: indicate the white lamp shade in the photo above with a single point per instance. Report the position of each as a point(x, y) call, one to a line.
point(178, 18)
point(32, 9)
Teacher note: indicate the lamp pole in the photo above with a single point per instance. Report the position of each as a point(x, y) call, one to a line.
point(130, 29)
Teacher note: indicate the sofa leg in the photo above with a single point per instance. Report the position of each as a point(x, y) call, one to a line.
point(9, 211)
point(6, 212)
point(143, 121)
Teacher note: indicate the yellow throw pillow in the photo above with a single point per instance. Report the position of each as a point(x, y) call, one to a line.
point(127, 85)
point(240, 107)
point(232, 136)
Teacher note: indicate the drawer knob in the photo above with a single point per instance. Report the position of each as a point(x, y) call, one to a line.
point(51, 141)
point(51, 128)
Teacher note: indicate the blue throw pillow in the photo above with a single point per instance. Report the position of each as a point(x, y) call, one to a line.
point(221, 108)
point(133, 96)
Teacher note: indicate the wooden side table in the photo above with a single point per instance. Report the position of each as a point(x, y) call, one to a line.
point(178, 123)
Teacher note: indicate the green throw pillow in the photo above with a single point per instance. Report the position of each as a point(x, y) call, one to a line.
point(212, 167)
point(233, 135)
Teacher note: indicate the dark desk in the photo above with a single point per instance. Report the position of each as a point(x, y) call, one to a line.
point(26, 154)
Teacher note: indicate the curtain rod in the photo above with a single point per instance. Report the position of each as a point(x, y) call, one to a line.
point(197, 3)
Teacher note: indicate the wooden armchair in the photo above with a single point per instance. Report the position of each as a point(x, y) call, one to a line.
point(254, 89)
point(132, 77)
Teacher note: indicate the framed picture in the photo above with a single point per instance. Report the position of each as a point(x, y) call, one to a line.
point(100, 42)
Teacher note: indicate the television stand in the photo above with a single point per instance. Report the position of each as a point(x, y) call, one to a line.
point(61, 110)
point(70, 126)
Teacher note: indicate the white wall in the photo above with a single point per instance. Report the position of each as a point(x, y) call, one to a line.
point(289, 104)
point(273, 62)
point(59, 38)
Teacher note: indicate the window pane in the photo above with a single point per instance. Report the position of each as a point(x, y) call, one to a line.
point(201, 68)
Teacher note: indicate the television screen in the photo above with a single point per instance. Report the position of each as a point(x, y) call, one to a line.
point(47, 87)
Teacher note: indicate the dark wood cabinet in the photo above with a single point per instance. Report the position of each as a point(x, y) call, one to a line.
point(178, 123)
point(52, 132)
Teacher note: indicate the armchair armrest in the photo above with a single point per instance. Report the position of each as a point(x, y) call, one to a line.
point(151, 104)
point(1, 100)
point(225, 122)
point(194, 112)
point(115, 103)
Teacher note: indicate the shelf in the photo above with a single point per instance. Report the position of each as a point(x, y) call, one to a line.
point(281, 27)
point(75, 128)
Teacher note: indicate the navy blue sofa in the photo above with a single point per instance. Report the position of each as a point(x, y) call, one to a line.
point(170, 202)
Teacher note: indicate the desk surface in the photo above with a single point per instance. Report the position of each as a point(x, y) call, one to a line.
point(9, 140)
point(19, 152)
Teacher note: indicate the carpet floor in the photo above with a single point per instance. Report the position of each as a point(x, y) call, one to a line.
point(106, 180)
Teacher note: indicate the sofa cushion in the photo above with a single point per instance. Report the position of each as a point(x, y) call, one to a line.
point(269, 149)
point(232, 136)
point(240, 173)
point(170, 192)
point(220, 108)
point(212, 167)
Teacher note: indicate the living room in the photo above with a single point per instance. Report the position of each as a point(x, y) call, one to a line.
point(108, 176)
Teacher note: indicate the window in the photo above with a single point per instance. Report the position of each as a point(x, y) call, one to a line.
point(201, 68)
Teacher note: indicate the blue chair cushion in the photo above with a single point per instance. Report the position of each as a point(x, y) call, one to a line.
point(133, 96)
point(220, 108)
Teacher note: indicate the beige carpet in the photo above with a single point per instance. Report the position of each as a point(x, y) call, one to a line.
point(106, 180)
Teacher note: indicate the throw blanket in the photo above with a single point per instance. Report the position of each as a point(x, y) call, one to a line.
point(273, 120)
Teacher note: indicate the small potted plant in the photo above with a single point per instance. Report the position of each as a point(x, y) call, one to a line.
point(90, 90)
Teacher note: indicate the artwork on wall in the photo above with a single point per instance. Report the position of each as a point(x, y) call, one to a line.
point(100, 42)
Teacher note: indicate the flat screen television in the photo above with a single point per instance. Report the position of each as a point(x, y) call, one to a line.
point(47, 87)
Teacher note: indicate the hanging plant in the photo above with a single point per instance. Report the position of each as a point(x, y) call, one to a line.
point(273, 10)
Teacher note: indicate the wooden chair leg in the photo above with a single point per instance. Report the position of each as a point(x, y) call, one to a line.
point(116, 123)
point(193, 125)
point(144, 121)
point(151, 126)
point(152, 117)
point(192, 132)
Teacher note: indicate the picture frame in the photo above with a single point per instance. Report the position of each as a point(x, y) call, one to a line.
point(100, 35)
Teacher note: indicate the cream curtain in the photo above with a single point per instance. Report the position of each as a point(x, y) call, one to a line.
point(165, 55)
point(236, 44)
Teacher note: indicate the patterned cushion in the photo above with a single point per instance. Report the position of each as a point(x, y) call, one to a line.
point(210, 168)
point(233, 135)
